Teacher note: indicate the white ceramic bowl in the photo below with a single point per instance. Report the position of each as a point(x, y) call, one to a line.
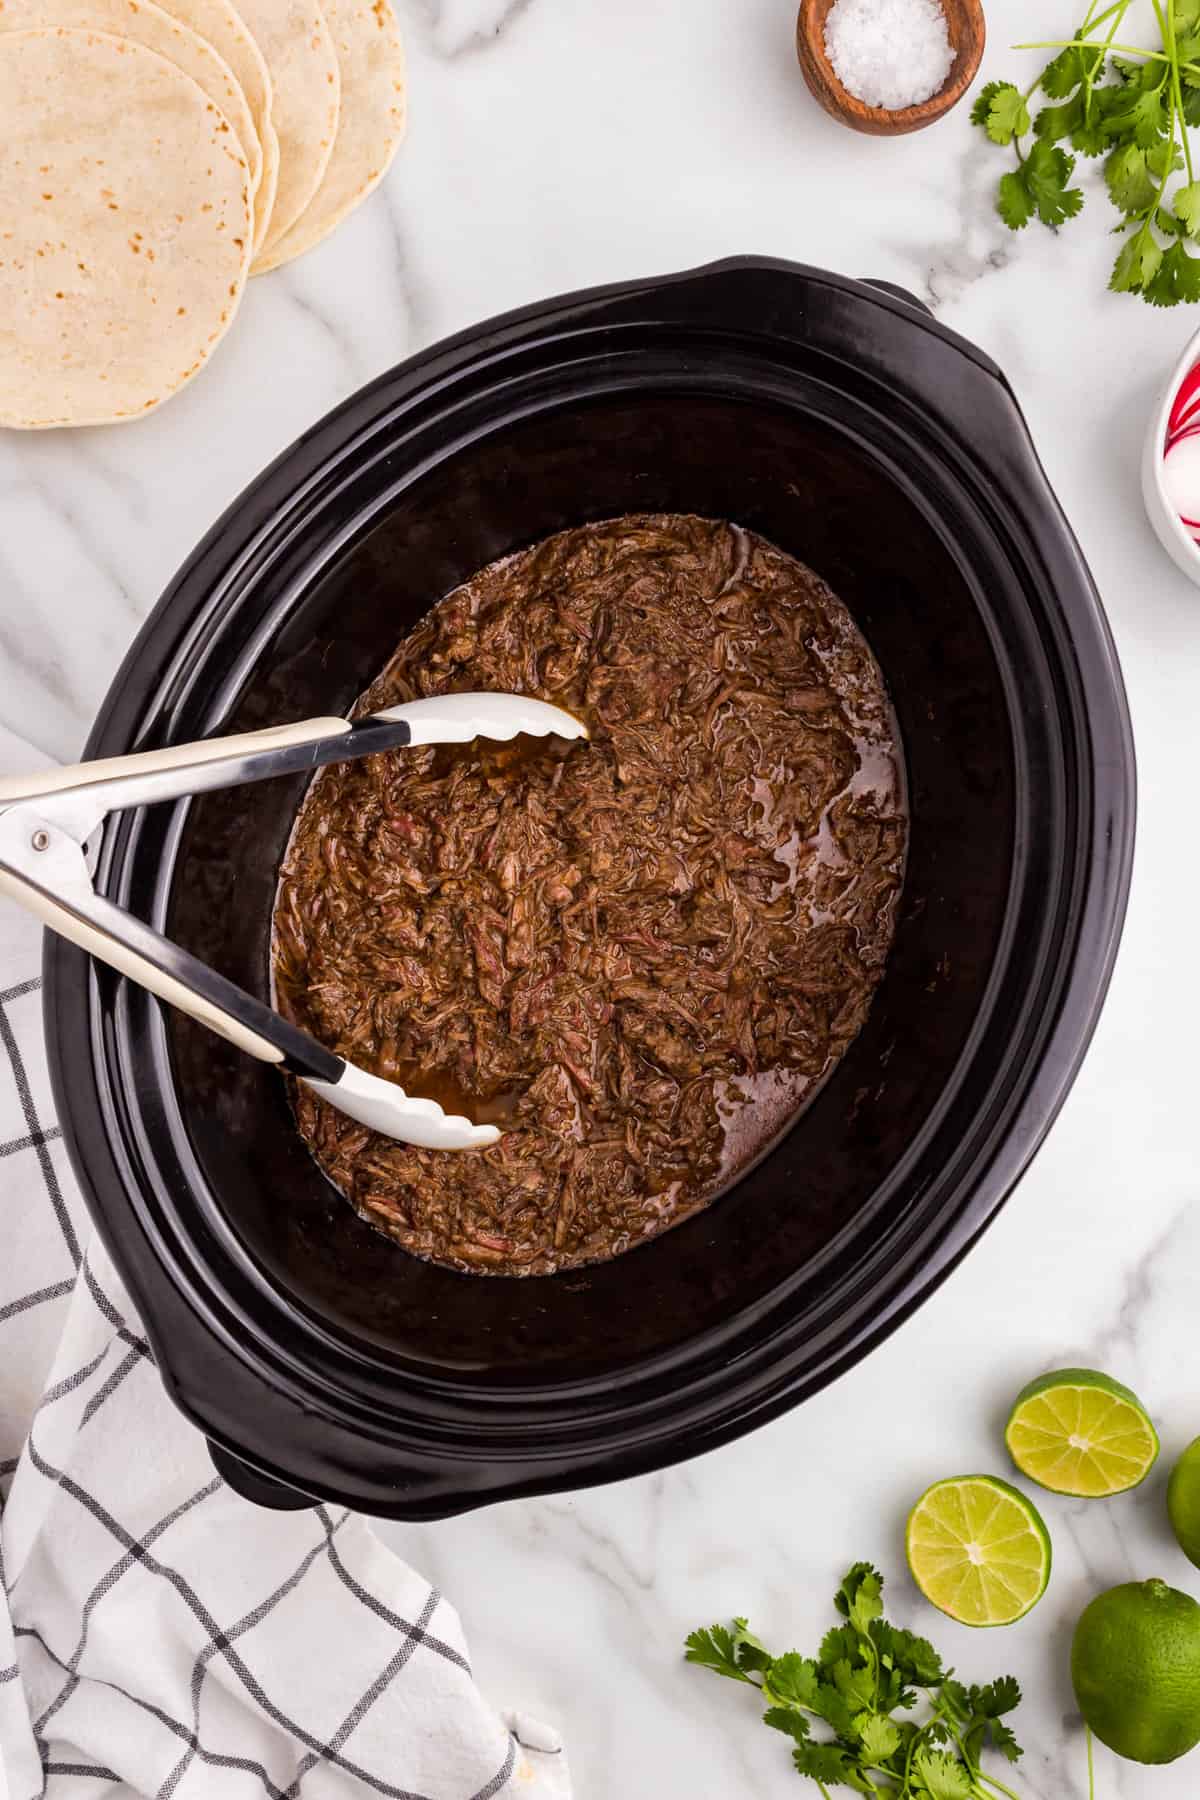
point(1172, 533)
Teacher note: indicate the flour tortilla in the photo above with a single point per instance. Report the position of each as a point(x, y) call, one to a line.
point(264, 199)
point(125, 233)
point(142, 22)
point(370, 125)
point(222, 26)
point(298, 48)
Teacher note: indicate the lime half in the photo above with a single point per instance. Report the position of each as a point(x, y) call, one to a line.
point(978, 1550)
point(1080, 1432)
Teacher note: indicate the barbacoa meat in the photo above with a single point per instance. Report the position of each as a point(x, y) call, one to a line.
point(640, 954)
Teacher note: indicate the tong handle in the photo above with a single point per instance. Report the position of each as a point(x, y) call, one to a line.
point(172, 759)
point(46, 819)
point(81, 795)
point(43, 867)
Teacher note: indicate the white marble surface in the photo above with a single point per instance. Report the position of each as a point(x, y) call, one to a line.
point(556, 143)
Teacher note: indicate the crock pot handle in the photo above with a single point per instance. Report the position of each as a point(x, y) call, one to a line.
point(870, 326)
point(898, 293)
point(260, 1490)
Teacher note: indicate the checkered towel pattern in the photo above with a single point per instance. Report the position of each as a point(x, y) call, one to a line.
point(159, 1637)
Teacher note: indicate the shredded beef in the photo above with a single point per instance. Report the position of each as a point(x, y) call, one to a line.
point(640, 955)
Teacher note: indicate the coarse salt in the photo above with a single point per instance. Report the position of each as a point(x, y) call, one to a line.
point(889, 53)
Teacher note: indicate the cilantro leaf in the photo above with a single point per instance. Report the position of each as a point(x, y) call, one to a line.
point(1091, 138)
point(1135, 112)
point(1072, 67)
point(868, 1604)
point(750, 1652)
point(1137, 263)
point(1056, 122)
point(1062, 76)
point(1013, 201)
point(1187, 49)
point(1129, 181)
point(987, 1706)
point(1091, 60)
point(983, 101)
point(841, 1641)
point(1186, 206)
point(1001, 110)
point(893, 1694)
point(1135, 176)
point(861, 1585)
point(787, 1719)
point(997, 1698)
point(826, 1763)
point(1046, 172)
point(941, 1775)
point(1163, 158)
point(1039, 185)
point(1003, 1741)
point(792, 1680)
point(1136, 75)
point(836, 1711)
point(855, 1685)
point(1176, 279)
point(715, 1648)
point(914, 1657)
point(956, 1699)
point(879, 1739)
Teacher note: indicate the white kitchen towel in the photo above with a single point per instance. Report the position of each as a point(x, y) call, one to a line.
point(160, 1637)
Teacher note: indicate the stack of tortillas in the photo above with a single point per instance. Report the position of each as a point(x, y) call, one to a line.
point(153, 155)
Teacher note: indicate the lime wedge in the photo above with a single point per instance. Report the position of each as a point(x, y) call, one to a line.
point(978, 1550)
point(1080, 1432)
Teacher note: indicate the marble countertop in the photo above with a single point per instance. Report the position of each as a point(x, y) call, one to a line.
point(557, 143)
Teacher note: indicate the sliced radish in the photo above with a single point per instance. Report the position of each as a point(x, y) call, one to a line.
point(1186, 420)
point(1181, 478)
point(1186, 401)
point(1190, 428)
point(1189, 424)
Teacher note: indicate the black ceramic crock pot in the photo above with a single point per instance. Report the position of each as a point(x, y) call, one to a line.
point(844, 424)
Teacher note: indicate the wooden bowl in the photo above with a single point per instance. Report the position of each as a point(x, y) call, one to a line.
point(968, 33)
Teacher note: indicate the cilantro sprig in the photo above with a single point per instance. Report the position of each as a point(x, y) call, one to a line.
point(846, 1708)
point(1133, 107)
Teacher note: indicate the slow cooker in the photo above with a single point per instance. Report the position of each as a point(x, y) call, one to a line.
point(842, 422)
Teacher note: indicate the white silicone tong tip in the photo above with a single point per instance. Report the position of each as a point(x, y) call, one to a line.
point(457, 718)
point(382, 1106)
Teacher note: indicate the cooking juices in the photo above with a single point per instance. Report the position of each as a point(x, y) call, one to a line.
point(640, 954)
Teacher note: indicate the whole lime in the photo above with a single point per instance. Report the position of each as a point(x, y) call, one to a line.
point(1183, 1502)
point(1135, 1667)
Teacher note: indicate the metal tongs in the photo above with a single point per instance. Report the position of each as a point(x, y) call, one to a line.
point(47, 820)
